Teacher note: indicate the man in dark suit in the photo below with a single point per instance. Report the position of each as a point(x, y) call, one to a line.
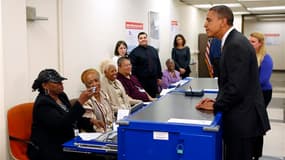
point(146, 65)
point(239, 98)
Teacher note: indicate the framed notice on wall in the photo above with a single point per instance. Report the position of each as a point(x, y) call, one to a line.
point(272, 39)
point(132, 31)
point(174, 30)
point(154, 29)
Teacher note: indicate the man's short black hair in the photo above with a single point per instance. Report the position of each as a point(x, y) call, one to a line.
point(224, 12)
point(141, 33)
point(121, 59)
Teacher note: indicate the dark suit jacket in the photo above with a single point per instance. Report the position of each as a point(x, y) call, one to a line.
point(52, 126)
point(240, 96)
point(145, 62)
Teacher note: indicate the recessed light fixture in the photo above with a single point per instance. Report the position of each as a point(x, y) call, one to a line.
point(271, 19)
point(231, 5)
point(255, 0)
point(267, 8)
point(207, 6)
point(203, 6)
point(241, 13)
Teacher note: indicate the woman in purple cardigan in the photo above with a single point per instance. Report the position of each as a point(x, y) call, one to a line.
point(170, 75)
point(265, 65)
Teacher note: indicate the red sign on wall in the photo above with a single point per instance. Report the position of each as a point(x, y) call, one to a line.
point(134, 25)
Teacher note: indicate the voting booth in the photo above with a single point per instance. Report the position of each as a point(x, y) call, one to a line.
point(171, 128)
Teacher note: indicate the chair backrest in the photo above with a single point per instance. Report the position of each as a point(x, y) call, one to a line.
point(19, 126)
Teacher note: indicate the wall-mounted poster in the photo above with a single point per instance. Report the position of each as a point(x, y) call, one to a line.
point(132, 31)
point(154, 29)
point(174, 30)
point(272, 39)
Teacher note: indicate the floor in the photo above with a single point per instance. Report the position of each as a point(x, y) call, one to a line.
point(274, 141)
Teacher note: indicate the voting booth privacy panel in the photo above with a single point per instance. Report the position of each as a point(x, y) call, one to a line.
point(171, 128)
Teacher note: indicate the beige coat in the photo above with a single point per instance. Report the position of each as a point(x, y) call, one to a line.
point(117, 103)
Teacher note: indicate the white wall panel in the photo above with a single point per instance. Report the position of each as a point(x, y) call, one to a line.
point(277, 51)
point(91, 29)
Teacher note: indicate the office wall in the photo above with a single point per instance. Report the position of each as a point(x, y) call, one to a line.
point(277, 49)
point(3, 144)
point(14, 74)
point(15, 52)
point(42, 40)
point(15, 61)
point(238, 22)
point(192, 23)
point(91, 29)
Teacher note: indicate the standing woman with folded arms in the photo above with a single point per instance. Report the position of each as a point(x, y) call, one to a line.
point(54, 120)
point(181, 56)
point(265, 65)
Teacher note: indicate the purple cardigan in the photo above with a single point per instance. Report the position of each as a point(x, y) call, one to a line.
point(167, 79)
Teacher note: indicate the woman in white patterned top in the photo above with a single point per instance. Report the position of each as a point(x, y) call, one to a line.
point(98, 107)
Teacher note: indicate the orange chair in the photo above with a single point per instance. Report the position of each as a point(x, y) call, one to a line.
point(19, 129)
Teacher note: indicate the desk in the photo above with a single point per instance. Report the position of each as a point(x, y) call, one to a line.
point(148, 134)
point(201, 83)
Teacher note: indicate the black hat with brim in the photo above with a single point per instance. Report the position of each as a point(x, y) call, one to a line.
point(47, 75)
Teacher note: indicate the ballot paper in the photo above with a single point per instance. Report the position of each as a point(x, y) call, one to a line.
point(189, 121)
point(147, 103)
point(89, 136)
point(179, 83)
point(122, 113)
point(165, 91)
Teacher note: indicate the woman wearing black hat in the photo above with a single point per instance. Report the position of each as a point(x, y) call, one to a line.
point(53, 117)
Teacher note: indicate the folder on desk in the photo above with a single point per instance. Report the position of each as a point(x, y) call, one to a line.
point(106, 143)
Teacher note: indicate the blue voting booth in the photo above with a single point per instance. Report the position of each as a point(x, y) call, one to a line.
point(170, 128)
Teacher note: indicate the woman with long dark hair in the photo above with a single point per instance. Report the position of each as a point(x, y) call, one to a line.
point(181, 56)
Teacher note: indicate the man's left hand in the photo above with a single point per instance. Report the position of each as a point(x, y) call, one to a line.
point(206, 105)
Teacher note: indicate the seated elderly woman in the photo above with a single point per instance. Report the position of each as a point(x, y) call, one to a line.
point(98, 107)
point(114, 88)
point(53, 117)
point(131, 84)
point(169, 75)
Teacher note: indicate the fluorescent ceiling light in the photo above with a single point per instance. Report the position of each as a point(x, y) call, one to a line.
point(270, 15)
point(241, 13)
point(254, 0)
point(207, 6)
point(203, 6)
point(271, 19)
point(267, 8)
point(231, 5)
